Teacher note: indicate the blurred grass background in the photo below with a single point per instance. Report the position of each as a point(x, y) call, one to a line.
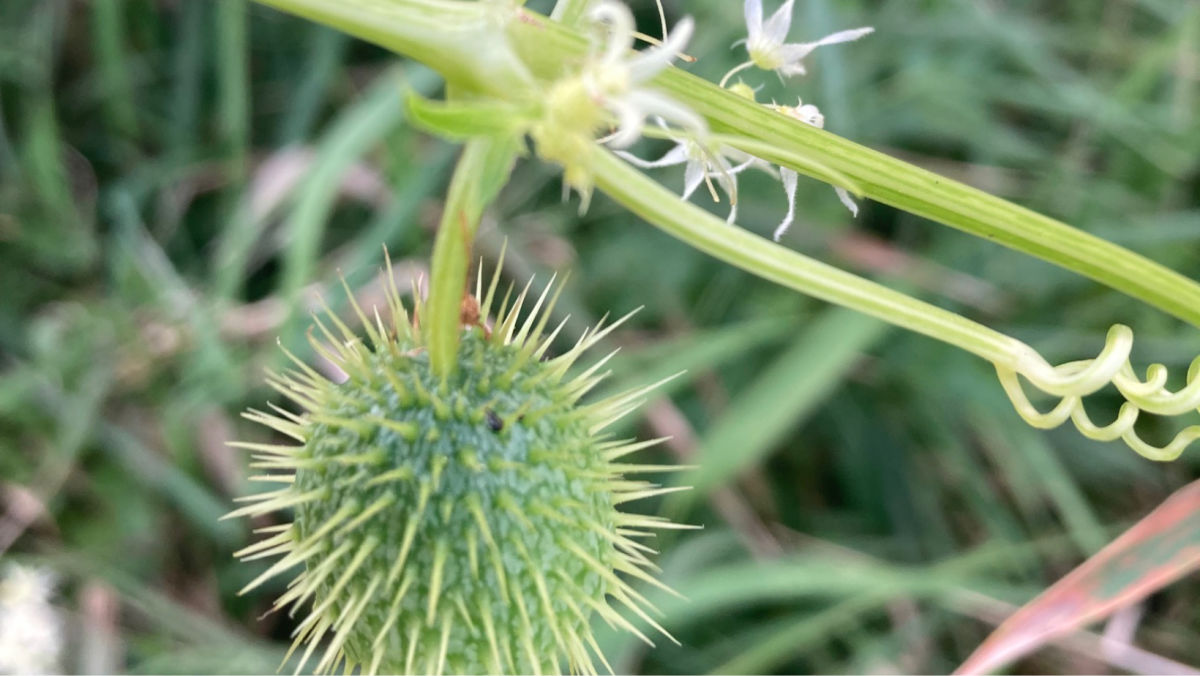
point(180, 179)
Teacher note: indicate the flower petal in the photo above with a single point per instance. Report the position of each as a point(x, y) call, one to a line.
point(791, 69)
point(777, 27)
point(725, 178)
point(693, 177)
point(794, 52)
point(728, 183)
point(630, 120)
point(621, 28)
point(744, 166)
point(652, 103)
point(789, 179)
point(809, 114)
point(844, 36)
point(676, 155)
point(652, 61)
point(736, 155)
point(847, 201)
point(753, 12)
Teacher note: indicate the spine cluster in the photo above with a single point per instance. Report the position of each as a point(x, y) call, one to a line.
point(465, 524)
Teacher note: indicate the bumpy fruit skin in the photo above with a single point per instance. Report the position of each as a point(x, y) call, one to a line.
point(471, 455)
point(464, 525)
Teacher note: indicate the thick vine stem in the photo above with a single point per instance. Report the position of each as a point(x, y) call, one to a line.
point(494, 49)
point(741, 248)
point(891, 181)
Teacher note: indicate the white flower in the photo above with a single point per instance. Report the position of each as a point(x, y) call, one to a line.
point(765, 41)
point(30, 628)
point(614, 79)
point(703, 165)
point(609, 93)
point(808, 114)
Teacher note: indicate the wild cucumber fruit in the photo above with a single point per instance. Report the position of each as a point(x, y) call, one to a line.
point(464, 525)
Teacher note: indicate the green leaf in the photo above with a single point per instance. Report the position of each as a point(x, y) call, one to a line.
point(461, 120)
point(691, 355)
point(791, 388)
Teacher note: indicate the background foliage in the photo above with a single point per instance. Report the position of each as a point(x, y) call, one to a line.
point(179, 180)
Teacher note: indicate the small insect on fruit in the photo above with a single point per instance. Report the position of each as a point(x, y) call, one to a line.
point(466, 524)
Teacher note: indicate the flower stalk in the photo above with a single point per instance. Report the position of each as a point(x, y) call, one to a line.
point(481, 172)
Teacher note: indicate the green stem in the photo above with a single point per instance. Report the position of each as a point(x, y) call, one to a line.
point(695, 226)
point(457, 39)
point(460, 40)
point(482, 169)
point(233, 76)
point(913, 189)
point(108, 33)
point(546, 47)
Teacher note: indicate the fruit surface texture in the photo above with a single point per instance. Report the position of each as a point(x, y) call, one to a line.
point(466, 523)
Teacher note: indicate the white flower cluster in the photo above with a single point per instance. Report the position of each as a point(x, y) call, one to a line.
point(703, 165)
point(767, 51)
point(30, 627)
point(765, 42)
point(609, 93)
point(615, 78)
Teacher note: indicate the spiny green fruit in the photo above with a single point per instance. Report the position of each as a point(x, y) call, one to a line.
point(464, 525)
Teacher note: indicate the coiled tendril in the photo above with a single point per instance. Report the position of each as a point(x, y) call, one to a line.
point(1075, 380)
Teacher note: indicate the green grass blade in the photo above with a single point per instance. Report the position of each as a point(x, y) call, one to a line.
point(233, 83)
point(356, 131)
point(327, 50)
point(108, 32)
point(792, 387)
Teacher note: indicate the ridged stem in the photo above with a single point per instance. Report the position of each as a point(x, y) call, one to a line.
point(546, 47)
point(662, 208)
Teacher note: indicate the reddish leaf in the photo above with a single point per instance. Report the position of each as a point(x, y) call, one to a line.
point(1158, 550)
